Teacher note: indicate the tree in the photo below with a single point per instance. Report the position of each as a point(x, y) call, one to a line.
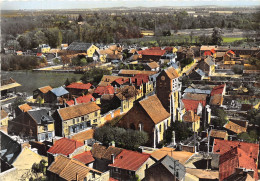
point(182, 132)
point(250, 137)
point(67, 82)
point(216, 36)
point(129, 139)
point(65, 60)
point(24, 42)
point(221, 119)
point(17, 102)
point(80, 18)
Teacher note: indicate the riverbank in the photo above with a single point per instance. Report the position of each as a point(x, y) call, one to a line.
point(32, 80)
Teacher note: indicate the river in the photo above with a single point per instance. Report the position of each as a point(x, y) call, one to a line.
point(32, 80)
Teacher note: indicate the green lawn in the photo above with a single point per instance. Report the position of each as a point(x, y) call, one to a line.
point(231, 39)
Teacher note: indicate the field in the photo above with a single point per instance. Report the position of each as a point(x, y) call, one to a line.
point(232, 39)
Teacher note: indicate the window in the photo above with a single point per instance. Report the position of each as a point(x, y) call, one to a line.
point(160, 128)
point(82, 118)
point(73, 121)
point(116, 170)
point(131, 172)
point(96, 114)
point(50, 135)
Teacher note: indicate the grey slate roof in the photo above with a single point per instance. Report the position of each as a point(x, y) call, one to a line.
point(60, 91)
point(197, 91)
point(173, 166)
point(40, 116)
point(79, 46)
point(9, 149)
point(209, 61)
point(200, 72)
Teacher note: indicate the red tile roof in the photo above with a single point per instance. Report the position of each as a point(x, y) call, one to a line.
point(235, 158)
point(218, 89)
point(82, 99)
point(231, 52)
point(65, 146)
point(85, 157)
point(121, 81)
point(155, 48)
point(153, 52)
point(101, 90)
point(139, 79)
point(192, 104)
point(222, 146)
point(213, 51)
point(130, 160)
point(25, 107)
point(207, 53)
point(112, 179)
point(169, 49)
point(79, 85)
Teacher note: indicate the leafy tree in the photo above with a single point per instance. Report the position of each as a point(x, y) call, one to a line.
point(216, 36)
point(94, 75)
point(250, 137)
point(129, 139)
point(17, 102)
point(221, 119)
point(237, 69)
point(83, 61)
point(80, 18)
point(182, 132)
point(67, 82)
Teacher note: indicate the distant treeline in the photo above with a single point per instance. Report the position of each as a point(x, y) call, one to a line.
point(14, 62)
point(101, 27)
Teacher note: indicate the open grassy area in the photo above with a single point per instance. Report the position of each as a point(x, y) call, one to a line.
point(231, 39)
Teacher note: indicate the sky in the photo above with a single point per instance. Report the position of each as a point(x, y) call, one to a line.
point(85, 4)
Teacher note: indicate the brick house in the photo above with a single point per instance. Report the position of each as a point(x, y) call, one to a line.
point(70, 120)
point(166, 169)
point(35, 124)
point(236, 158)
point(168, 87)
point(150, 116)
point(128, 164)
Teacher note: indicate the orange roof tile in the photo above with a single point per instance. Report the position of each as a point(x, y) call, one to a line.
point(84, 135)
point(153, 52)
point(182, 156)
point(222, 146)
point(82, 99)
point(79, 85)
point(189, 116)
point(45, 89)
point(98, 150)
point(235, 127)
point(171, 73)
point(218, 89)
point(65, 146)
point(235, 158)
point(25, 107)
point(78, 110)
point(153, 65)
point(216, 100)
point(130, 160)
point(134, 72)
point(69, 169)
point(101, 90)
point(218, 133)
point(4, 114)
point(85, 157)
point(154, 108)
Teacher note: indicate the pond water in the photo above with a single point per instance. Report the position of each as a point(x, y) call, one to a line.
point(32, 80)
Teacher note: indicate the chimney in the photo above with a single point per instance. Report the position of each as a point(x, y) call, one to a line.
point(75, 101)
point(113, 158)
point(77, 177)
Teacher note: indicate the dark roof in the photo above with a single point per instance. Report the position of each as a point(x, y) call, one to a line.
point(169, 163)
point(79, 46)
point(10, 149)
point(40, 116)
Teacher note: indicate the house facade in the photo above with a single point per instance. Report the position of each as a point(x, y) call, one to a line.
point(150, 116)
point(35, 124)
point(71, 120)
point(168, 87)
